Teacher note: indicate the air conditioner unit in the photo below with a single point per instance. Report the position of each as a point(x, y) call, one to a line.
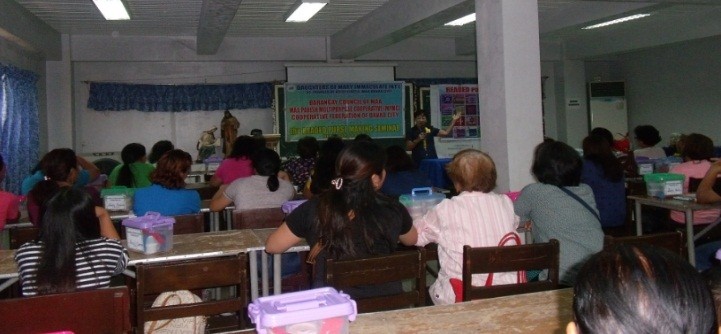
point(607, 106)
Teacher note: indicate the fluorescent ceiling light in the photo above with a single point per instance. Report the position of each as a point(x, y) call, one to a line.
point(616, 21)
point(303, 10)
point(464, 20)
point(112, 9)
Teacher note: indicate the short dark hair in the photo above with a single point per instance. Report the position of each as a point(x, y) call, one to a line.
point(641, 289)
point(243, 147)
point(603, 133)
point(558, 164)
point(697, 147)
point(308, 147)
point(159, 149)
point(647, 134)
point(419, 113)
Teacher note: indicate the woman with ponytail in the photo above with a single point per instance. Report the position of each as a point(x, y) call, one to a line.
point(60, 167)
point(262, 190)
point(350, 220)
point(134, 172)
point(70, 254)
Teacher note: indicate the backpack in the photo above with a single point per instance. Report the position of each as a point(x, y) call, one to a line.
point(189, 325)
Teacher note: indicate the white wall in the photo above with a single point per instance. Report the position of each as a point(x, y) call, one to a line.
point(676, 88)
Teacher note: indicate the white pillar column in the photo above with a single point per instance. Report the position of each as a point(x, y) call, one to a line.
point(509, 80)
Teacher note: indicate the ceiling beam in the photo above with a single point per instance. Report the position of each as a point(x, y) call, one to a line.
point(30, 33)
point(215, 19)
point(395, 21)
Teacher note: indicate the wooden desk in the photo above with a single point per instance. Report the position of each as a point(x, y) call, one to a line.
point(688, 207)
point(540, 312)
point(8, 269)
point(204, 208)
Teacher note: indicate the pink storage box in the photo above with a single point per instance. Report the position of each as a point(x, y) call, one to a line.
point(322, 310)
point(289, 206)
point(149, 234)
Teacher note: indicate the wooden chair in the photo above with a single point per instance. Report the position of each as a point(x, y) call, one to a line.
point(94, 311)
point(484, 260)
point(399, 266)
point(672, 241)
point(21, 235)
point(258, 218)
point(155, 278)
point(191, 223)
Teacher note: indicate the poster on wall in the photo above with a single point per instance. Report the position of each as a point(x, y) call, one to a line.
point(344, 109)
point(447, 100)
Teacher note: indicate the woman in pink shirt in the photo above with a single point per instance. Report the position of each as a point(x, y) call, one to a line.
point(697, 151)
point(477, 217)
point(238, 164)
point(8, 202)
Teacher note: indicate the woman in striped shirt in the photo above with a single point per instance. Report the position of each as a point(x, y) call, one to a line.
point(70, 253)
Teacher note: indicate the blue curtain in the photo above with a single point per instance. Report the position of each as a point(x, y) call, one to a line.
point(116, 96)
point(19, 123)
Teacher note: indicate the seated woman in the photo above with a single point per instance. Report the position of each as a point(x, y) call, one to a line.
point(561, 207)
point(262, 190)
point(71, 254)
point(299, 168)
point(134, 172)
point(401, 173)
point(167, 195)
point(61, 171)
point(646, 139)
point(603, 172)
point(353, 218)
point(86, 175)
point(696, 154)
point(9, 203)
point(238, 163)
point(641, 289)
point(477, 217)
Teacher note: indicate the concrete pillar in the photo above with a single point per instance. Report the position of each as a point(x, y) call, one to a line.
point(509, 79)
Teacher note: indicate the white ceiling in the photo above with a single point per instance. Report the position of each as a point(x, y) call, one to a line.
point(559, 20)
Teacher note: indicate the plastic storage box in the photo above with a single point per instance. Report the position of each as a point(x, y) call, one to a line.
point(322, 310)
point(645, 165)
point(664, 165)
point(662, 185)
point(420, 201)
point(117, 198)
point(289, 206)
point(149, 234)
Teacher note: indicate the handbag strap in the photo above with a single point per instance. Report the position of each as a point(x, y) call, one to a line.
point(520, 275)
point(585, 205)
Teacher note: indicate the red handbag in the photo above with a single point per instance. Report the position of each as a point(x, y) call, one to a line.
point(457, 284)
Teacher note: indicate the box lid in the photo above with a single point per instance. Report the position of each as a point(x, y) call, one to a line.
point(117, 191)
point(421, 194)
point(301, 306)
point(150, 220)
point(662, 177)
point(289, 206)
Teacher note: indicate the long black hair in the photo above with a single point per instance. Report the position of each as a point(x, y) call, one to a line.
point(69, 218)
point(266, 162)
point(597, 150)
point(351, 206)
point(131, 153)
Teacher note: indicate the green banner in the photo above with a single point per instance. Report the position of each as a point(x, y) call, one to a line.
point(344, 109)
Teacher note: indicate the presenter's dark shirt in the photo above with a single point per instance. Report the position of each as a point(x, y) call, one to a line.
point(421, 151)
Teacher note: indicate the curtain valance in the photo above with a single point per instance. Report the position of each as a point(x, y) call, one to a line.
point(144, 97)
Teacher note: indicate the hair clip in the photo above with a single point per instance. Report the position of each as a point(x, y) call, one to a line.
point(46, 178)
point(338, 183)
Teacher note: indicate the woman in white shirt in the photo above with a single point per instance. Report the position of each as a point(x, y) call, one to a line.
point(477, 217)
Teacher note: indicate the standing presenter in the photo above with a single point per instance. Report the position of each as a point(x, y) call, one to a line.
point(419, 139)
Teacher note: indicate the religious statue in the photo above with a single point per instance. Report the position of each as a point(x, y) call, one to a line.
point(206, 144)
point(229, 131)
